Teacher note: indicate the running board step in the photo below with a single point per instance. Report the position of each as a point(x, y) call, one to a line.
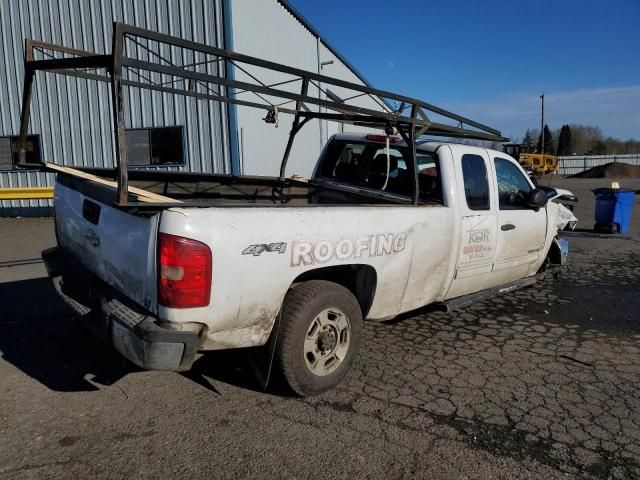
point(466, 300)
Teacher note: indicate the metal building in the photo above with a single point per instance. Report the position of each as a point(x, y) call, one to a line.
point(71, 120)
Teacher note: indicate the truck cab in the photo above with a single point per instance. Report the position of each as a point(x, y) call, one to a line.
point(502, 232)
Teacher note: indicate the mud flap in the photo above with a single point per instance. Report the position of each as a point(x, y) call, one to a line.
point(261, 358)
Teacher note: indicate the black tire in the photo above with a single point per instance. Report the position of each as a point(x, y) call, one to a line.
point(302, 306)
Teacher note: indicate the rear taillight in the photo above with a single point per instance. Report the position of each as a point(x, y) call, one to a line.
point(184, 272)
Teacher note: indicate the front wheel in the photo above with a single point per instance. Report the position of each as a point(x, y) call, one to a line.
point(320, 334)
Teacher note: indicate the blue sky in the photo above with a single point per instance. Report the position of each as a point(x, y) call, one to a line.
point(490, 60)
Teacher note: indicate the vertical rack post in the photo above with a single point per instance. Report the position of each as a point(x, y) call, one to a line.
point(25, 114)
point(294, 127)
point(409, 137)
point(117, 101)
point(412, 152)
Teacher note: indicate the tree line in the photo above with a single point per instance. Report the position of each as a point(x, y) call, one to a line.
point(578, 140)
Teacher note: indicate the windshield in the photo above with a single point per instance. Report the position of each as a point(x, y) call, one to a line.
point(370, 165)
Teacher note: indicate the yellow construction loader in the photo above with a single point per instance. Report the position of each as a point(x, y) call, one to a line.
point(539, 164)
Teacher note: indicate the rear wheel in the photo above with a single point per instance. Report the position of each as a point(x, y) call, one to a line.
point(320, 334)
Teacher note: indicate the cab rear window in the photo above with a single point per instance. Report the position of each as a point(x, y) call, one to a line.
point(370, 165)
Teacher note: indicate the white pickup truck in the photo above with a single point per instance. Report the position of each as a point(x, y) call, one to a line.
point(314, 257)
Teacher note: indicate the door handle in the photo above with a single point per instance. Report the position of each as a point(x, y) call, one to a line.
point(507, 226)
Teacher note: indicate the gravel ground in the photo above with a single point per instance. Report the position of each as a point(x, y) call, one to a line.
point(540, 383)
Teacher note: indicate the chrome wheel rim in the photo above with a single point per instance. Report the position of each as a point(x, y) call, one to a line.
point(327, 341)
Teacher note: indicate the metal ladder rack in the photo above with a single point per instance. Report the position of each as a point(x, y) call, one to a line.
point(144, 59)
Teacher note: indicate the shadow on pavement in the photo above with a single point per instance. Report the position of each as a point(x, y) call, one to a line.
point(39, 337)
point(238, 367)
point(590, 233)
point(226, 366)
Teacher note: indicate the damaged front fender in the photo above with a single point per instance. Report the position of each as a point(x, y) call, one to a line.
point(561, 217)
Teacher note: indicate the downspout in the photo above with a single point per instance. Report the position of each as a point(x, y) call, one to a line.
point(324, 124)
point(229, 73)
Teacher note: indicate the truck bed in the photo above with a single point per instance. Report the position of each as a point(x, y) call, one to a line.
point(118, 244)
point(208, 190)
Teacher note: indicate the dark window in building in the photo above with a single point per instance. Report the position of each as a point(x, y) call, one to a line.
point(513, 187)
point(476, 184)
point(10, 151)
point(6, 158)
point(138, 147)
point(153, 146)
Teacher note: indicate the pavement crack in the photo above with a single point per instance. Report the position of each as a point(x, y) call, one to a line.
point(567, 357)
point(122, 390)
point(28, 467)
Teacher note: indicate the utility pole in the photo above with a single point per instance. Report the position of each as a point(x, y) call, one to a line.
point(542, 126)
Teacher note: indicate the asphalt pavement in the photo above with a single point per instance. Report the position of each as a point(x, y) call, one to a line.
point(540, 383)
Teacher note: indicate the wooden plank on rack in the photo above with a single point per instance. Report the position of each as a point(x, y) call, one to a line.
point(144, 195)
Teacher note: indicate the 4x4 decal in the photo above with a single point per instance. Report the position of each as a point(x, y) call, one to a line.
point(256, 250)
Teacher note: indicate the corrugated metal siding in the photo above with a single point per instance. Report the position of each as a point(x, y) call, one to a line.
point(73, 116)
point(571, 165)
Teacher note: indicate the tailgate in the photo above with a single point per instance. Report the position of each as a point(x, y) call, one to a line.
point(118, 247)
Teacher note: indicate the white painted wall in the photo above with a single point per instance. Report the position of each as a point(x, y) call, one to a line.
point(267, 30)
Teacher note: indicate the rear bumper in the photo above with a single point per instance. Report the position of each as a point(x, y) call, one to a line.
point(129, 329)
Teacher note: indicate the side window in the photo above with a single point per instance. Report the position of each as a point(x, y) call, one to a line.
point(476, 184)
point(513, 187)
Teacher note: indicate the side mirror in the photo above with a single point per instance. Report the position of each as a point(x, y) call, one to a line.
point(537, 198)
